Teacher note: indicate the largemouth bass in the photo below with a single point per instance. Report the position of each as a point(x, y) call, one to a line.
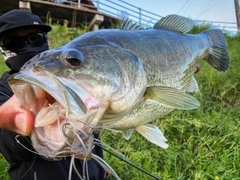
point(119, 79)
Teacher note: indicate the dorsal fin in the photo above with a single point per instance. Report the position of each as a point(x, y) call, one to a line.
point(175, 23)
point(129, 25)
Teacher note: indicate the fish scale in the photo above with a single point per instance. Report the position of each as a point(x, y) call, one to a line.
point(161, 53)
point(120, 79)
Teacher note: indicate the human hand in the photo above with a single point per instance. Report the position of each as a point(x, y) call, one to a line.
point(14, 118)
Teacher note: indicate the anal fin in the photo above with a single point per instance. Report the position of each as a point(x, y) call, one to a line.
point(153, 134)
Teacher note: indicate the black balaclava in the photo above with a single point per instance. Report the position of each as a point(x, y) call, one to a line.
point(15, 60)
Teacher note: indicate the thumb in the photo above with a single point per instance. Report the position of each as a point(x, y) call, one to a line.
point(14, 118)
point(24, 123)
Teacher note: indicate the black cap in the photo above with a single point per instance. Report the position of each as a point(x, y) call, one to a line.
point(18, 18)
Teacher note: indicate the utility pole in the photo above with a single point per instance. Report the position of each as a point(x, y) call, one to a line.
point(237, 15)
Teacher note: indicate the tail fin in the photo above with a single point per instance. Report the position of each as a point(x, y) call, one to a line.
point(219, 57)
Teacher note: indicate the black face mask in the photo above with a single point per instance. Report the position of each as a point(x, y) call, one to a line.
point(15, 60)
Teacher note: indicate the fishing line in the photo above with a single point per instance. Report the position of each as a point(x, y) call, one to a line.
point(5, 94)
point(32, 151)
point(129, 162)
point(34, 159)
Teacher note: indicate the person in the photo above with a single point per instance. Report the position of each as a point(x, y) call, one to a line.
point(22, 36)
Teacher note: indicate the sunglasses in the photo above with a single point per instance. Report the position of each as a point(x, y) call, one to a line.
point(18, 42)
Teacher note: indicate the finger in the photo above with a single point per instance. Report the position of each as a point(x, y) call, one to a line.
point(14, 118)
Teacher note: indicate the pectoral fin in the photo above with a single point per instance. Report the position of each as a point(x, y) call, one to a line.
point(153, 134)
point(171, 97)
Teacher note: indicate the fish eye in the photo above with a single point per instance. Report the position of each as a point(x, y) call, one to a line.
point(74, 61)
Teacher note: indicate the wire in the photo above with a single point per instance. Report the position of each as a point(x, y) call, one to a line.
point(207, 4)
point(183, 6)
point(187, 7)
point(207, 8)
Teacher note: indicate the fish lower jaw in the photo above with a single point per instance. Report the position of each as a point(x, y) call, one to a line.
point(43, 145)
point(56, 135)
point(68, 142)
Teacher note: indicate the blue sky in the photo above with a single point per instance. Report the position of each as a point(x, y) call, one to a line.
point(210, 10)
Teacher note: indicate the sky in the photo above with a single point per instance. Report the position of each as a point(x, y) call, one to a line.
point(208, 10)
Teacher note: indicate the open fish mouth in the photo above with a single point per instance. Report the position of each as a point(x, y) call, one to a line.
point(62, 123)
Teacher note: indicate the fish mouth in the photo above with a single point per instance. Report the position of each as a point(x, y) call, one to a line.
point(61, 118)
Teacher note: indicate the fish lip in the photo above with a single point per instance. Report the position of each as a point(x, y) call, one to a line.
point(37, 78)
point(50, 84)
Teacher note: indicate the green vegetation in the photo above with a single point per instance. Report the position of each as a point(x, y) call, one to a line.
point(203, 143)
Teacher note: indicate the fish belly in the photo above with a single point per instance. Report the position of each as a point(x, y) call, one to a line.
point(147, 111)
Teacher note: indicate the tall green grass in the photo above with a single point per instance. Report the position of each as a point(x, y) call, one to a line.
point(203, 143)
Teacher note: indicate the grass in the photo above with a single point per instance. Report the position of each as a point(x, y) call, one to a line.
point(203, 143)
